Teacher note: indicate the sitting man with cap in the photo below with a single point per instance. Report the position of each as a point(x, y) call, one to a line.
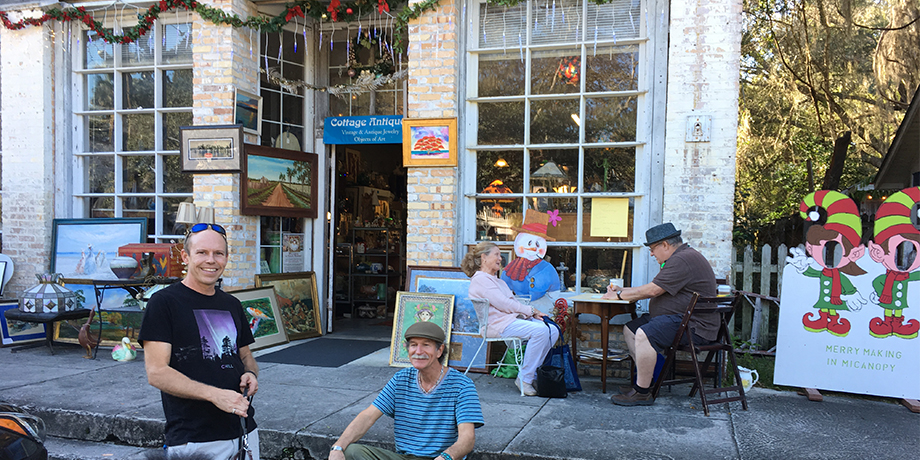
point(435, 409)
point(683, 272)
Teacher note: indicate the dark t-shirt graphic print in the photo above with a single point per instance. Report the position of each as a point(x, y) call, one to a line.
point(218, 335)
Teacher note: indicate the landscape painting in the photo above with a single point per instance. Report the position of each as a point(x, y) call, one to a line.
point(279, 182)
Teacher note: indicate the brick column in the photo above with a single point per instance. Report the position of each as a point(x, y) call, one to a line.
point(699, 178)
point(222, 64)
point(28, 151)
point(432, 192)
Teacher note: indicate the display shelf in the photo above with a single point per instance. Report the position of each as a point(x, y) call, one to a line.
point(363, 268)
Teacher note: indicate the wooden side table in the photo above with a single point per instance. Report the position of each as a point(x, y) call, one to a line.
point(45, 318)
point(606, 310)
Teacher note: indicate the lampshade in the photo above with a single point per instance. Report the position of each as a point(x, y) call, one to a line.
point(186, 213)
point(501, 163)
point(206, 214)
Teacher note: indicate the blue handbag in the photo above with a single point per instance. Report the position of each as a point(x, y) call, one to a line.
point(561, 356)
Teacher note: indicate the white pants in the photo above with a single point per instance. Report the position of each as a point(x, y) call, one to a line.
point(539, 340)
point(214, 449)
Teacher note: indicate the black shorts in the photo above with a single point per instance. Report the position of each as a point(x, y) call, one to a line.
point(661, 330)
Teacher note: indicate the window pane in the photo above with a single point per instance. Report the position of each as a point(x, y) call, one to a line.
point(601, 264)
point(552, 121)
point(271, 105)
point(138, 132)
point(170, 207)
point(292, 72)
point(102, 206)
point(100, 130)
point(565, 255)
point(98, 54)
point(270, 132)
point(556, 71)
point(176, 43)
point(610, 170)
point(293, 109)
point(557, 22)
point(177, 88)
point(616, 20)
point(140, 206)
point(610, 119)
point(613, 68)
point(138, 91)
point(172, 121)
point(501, 123)
point(553, 171)
point(100, 91)
point(100, 173)
point(507, 167)
point(502, 26)
point(501, 74)
point(496, 217)
point(174, 180)
point(138, 174)
point(601, 234)
point(290, 139)
point(566, 209)
point(360, 104)
point(140, 52)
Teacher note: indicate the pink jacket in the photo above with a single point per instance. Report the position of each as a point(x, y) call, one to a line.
point(503, 309)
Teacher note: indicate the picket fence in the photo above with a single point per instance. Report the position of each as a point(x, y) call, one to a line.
point(760, 280)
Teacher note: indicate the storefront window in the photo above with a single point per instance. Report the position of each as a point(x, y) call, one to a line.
point(133, 99)
point(283, 56)
point(358, 56)
point(556, 93)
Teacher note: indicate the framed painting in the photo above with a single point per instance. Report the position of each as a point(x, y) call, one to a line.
point(215, 148)
point(464, 318)
point(462, 349)
point(414, 271)
point(430, 142)
point(278, 182)
point(411, 308)
point(261, 308)
point(121, 314)
point(82, 248)
point(297, 299)
point(2, 276)
point(14, 331)
point(247, 112)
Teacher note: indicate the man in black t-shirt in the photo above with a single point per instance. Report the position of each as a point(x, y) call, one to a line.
point(196, 344)
point(683, 272)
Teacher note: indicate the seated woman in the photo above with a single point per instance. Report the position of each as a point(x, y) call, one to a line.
point(507, 316)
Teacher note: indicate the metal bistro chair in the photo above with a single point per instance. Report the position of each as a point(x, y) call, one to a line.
point(482, 314)
point(725, 307)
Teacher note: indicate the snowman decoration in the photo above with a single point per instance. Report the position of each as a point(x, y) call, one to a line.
point(529, 274)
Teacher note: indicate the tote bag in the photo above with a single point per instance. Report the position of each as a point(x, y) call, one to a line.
point(561, 356)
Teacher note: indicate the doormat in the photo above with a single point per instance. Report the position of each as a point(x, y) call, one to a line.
point(324, 352)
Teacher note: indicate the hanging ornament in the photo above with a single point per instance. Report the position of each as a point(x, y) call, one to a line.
point(568, 70)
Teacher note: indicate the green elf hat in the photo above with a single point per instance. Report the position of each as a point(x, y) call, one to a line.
point(898, 215)
point(835, 211)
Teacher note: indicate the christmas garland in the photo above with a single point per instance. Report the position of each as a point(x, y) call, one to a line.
point(334, 11)
point(383, 62)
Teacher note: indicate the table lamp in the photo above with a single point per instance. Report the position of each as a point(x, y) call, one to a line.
point(186, 213)
point(206, 214)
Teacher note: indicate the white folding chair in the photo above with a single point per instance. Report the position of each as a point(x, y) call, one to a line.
point(514, 343)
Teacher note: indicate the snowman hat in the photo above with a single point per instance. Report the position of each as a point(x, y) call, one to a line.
point(898, 215)
point(835, 211)
point(535, 224)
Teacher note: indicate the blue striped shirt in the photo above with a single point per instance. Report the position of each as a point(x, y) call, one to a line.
point(426, 424)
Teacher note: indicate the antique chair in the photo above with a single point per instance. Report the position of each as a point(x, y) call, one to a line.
point(716, 353)
point(514, 343)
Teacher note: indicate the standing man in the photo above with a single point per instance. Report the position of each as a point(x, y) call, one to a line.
point(435, 408)
point(196, 351)
point(683, 272)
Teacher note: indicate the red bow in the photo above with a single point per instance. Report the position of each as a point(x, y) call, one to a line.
point(332, 9)
point(890, 277)
point(382, 6)
point(835, 284)
point(295, 11)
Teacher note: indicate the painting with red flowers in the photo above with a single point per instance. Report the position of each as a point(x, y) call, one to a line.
point(430, 142)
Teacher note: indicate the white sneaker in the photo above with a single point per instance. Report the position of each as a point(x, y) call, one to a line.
point(528, 389)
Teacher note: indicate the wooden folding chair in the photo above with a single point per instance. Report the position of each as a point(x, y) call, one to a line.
point(725, 307)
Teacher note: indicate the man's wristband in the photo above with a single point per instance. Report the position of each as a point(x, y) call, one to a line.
point(336, 448)
point(446, 456)
point(618, 295)
point(251, 372)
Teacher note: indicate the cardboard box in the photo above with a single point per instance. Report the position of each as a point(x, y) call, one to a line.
point(167, 260)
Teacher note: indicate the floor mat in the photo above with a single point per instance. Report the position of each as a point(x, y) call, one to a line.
point(324, 352)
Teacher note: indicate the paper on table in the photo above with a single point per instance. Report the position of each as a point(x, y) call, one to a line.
point(610, 217)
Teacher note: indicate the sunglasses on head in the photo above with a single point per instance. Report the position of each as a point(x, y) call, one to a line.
point(200, 227)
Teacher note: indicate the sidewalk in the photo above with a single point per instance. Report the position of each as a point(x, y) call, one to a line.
point(308, 407)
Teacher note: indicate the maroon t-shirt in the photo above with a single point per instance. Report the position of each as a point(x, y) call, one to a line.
point(684, 273)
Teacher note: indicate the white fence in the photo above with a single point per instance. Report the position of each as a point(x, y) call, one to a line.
point(761, 283)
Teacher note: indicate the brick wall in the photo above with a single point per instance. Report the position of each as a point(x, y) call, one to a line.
point(222, 64)
point(703, 71)
point(28, 152)
point(432, 192)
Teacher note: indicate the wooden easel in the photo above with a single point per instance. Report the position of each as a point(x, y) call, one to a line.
point(814, 395)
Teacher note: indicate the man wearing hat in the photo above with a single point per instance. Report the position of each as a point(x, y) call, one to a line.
point(435, 409)
point(683, 272)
